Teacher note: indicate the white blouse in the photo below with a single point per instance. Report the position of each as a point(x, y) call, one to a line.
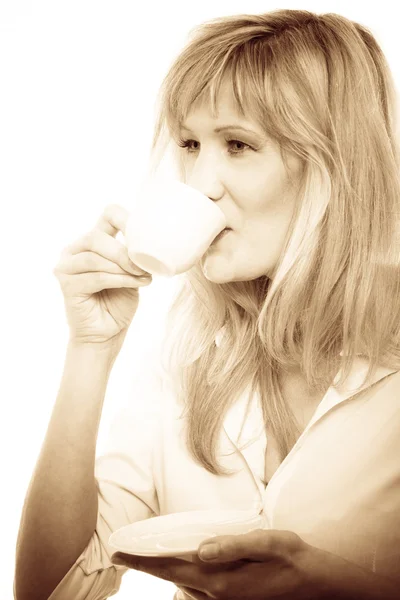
point(338, 488)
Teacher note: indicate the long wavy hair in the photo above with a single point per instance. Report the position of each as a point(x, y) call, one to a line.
point(320, 86)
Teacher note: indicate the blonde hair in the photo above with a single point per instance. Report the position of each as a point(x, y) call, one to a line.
point(321, 87)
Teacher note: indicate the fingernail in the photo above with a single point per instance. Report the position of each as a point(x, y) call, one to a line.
point(209, 551)
point(144, 280)
point(137, 272)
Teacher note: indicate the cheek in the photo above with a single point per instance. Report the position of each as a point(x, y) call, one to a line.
point(263, 191)
point(265, 243)
point(265, 231)
point(268, 215)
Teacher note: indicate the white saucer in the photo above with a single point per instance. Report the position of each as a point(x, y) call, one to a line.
point(182, 533)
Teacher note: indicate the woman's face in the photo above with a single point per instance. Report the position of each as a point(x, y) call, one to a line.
point(242, 171)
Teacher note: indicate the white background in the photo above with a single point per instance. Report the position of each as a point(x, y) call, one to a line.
point(78, 81)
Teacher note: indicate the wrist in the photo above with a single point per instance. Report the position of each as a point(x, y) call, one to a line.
point(340, 579)
point(108, 350)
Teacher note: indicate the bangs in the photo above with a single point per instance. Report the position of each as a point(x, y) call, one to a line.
point(244, 68)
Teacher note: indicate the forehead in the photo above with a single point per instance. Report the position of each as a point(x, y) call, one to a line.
point(225, 110)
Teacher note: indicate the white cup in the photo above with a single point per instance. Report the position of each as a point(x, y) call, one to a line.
point(170, 227)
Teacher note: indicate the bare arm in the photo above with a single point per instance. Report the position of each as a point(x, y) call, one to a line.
point(60, 511)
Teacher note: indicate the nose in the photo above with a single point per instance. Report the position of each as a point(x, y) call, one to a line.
point(203, 175)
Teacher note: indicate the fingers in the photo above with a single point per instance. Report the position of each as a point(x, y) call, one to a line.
point(258, 545)
point(89, 262)
point(191, 594)
point(98, 250)
point(112, 220)
point(94, 249)
point(180, 572)
point(90, 283)
point(97, 261)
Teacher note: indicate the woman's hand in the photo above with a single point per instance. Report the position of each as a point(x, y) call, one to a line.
point(260, 565)
point(99, 281)
point(265, 565)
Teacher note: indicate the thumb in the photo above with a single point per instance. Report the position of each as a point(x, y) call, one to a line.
point(259, 545)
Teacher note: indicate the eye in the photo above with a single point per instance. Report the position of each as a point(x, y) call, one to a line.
point(238, 143)
point(182, 143)
point(187, 144)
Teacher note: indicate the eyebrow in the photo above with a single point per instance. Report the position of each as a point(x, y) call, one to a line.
point(226, 127)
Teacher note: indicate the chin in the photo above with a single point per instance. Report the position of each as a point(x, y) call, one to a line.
point(215, 272)
point(221, 271)
point(215, 277)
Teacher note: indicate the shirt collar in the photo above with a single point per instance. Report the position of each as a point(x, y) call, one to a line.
point(244, 420)
point(335, 394)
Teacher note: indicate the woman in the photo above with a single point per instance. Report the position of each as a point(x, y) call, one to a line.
point(283, 346)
